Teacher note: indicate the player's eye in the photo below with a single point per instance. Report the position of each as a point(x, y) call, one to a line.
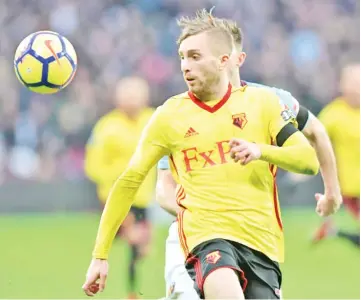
point(195, 56)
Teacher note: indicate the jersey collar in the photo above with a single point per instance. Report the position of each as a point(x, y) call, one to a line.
point(214, 108)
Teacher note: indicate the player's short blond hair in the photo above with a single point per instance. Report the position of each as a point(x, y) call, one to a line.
point(235, 31)
point(204, 21)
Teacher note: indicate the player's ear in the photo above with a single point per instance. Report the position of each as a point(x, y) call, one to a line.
point(241, 58)
point(224, 60)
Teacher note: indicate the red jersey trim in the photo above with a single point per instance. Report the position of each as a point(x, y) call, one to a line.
point(182, 236)
point(208, 108)
point(275, 197)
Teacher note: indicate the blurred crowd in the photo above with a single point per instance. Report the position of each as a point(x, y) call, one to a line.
point(296, 45)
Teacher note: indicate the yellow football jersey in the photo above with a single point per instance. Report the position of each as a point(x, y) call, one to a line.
point(221, 198)
point(343, 126)
point(109, 149)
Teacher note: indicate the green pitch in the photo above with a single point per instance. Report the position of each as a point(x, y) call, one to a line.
point(46, 256)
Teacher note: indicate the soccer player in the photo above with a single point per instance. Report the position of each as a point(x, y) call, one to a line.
point(230, 225)
point(108, 152)
point(177, 280)
point(342, 120)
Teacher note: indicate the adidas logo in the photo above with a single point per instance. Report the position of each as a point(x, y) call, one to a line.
point(190, 132)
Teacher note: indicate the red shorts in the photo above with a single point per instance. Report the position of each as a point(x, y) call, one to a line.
point(352, 205)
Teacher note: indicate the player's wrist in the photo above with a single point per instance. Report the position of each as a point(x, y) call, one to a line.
point(264, 151)
point(99, 259)
point(99, 256)
point(333, 192)
point(258, 151)
point(333, 195)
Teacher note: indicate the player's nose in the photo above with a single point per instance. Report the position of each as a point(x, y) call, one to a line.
point(185, 67)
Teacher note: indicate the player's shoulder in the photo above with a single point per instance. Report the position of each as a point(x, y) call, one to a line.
point(336, 103)
point(106, 127)
point(174, 103)
point(146, 115)
point(148, 112)
point(334, 106)
point(287, 100)
point(109, 119)
point(169, 108)
point(177, 100)
point(259, 93)
point(278, 91)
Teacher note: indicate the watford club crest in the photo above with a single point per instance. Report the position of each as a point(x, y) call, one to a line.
point(213, 258)
point(239, 120)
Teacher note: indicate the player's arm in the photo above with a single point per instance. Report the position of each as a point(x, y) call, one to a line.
point(165, 192)
point(316, 134)
point(290, 149)
point(153, 144)
point(151, 147)
point(292, 152)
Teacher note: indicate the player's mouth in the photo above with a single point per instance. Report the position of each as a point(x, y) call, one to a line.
point(190, 79)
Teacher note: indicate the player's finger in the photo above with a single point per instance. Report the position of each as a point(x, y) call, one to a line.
point(90, 280)
point(319, 211)
point(86, 289)
point(89, 293)
point(236, 158)
point(247, 160)
point(86, 284)
point(232, 153)
point(242, 155)
point(103, 278)
point(94, 288)
point(234, 142)
point(318, 196)
point(238, 148)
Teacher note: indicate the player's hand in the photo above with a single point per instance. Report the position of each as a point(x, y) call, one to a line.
point(244, 151)
point(96, 277)
point(327, 204)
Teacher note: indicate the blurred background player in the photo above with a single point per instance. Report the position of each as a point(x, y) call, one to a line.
point(342, 120)
point(108, 152)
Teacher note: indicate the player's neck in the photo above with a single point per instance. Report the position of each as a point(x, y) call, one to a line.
point(130, 114)
point(216, 93)
point(236, 80)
